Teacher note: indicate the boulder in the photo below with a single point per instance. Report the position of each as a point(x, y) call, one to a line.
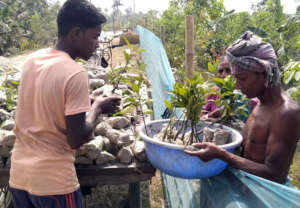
point(221, 136)
point(208, 134)
point(4, 115)
point(96, 83)
point(8, 125)
point(104, 158)
point(102, 129)
point(118, 122)
point(7, 138)
point(91, 149)
point(125, 155)
point(138, 149)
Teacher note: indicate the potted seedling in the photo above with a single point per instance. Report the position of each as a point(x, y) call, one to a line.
point(166, 139)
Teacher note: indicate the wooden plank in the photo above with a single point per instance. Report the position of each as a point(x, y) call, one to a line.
point(113, 179)
point(116, 169)
point(92, 175)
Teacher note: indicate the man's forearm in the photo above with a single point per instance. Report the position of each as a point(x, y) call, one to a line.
point(92, 116)
point(249, 166)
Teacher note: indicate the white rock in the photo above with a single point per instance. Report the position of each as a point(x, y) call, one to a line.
point(104, 158)
point(4, 115)
point(221, 136)
point(96, 83)
point(118, 122)
point(138, 149)
point(208, 134)
point(125, 155)
point(8, 125)
point(107, 145)
point(7, 138)
point(91, 149)
point(102, 129)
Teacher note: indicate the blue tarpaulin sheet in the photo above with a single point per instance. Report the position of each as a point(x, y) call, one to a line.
point(232, 188)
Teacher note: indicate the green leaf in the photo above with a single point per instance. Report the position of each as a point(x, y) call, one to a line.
point(135, 88)
point(210, 67)
point(127, 56)
point(288, 77)
point(141, 50)
point(297, 76)
point(148, 111)
point(169, 105)
point(127, 110)
point(128, 43)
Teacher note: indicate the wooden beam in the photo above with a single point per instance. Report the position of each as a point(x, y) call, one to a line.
point(189, 45)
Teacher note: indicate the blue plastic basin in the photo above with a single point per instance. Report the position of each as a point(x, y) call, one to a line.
point(171, 159)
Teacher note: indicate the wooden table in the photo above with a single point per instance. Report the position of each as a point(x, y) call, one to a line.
point(93, 175)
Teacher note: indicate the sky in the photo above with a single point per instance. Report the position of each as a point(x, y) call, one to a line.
point(289, 6)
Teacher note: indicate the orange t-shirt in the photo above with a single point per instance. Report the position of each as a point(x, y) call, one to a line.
point(52, 86)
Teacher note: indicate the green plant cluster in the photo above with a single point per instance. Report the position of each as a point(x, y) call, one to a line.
point(235, 104)
point(134, 76)
point(26, 24)
point(189, 97)
point(10, 89)
point(216, 28)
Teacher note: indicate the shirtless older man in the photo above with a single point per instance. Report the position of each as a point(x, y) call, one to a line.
point(272, 130)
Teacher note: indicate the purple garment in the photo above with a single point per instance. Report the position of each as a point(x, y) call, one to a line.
point(253, 103)
point(211, 106)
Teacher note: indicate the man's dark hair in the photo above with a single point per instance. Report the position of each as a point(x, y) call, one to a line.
point(78, 13)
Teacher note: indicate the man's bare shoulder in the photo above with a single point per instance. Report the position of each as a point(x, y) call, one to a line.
point(290, 111)
point(286, 120)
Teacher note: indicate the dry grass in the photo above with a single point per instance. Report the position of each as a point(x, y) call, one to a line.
point(295, 170)
point(156, 192)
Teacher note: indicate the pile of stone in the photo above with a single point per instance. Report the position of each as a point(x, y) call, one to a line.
point(7, 137)
point(113, 142)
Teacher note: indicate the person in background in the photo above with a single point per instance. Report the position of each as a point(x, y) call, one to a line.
point(51, 118)
point(272, 131)
point(211, 112)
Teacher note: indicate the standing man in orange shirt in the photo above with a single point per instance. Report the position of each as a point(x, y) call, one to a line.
point(51, 120)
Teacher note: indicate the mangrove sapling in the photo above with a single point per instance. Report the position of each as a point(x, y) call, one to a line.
point(134, 103)
point(234, 103)
point(190, 97)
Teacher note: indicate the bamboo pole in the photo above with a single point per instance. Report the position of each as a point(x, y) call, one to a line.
point(189, 45)
point(162, 34)
point(146, 22)
point(153, 25)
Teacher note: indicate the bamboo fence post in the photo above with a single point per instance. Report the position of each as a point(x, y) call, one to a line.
point(146, 22)
point(153, 25)
point(189, 45)
point(162, 34)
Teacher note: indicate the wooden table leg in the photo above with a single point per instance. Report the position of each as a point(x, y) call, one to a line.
point(134, 195)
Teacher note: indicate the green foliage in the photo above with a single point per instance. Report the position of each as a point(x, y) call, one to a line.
point(133, 75)
point(10, 88)
point(291, 79)
point(26, 24)
point(189, 97)
point(235, 104)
